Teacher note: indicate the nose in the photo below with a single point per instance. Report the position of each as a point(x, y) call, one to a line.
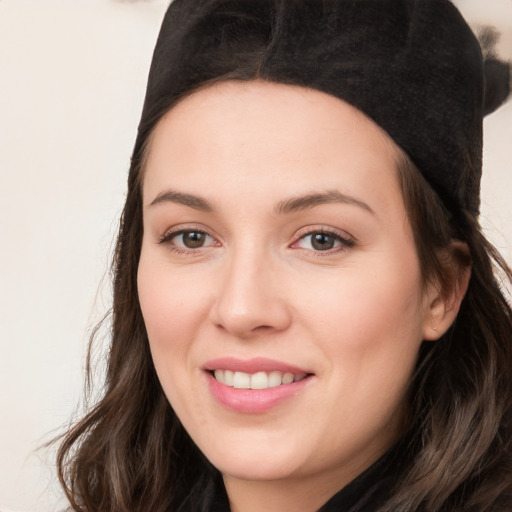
point(250, 299)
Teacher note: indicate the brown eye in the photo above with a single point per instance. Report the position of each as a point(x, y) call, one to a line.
point(322, 241)
point(188, 239)
point(193, 239)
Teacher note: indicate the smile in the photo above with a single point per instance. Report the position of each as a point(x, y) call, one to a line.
point(258, 380)
point(257, 385)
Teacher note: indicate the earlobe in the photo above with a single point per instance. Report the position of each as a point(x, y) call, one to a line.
point(444, 305)
point(439, 317)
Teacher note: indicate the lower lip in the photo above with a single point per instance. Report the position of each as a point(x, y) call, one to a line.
point(254, 401)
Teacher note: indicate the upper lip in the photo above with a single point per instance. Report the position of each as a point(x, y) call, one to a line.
point(254, 365)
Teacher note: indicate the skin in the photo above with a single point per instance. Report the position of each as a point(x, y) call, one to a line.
point(354, 316)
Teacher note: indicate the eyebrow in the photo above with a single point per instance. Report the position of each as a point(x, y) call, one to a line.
point(311, 200)
point(291, 205)
point(190, 200)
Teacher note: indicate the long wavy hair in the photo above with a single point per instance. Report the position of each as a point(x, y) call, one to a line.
point(130, 452)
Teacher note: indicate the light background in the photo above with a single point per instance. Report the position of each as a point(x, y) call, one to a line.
point(72, 78)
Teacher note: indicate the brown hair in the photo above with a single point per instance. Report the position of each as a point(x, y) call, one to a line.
point(461, 407)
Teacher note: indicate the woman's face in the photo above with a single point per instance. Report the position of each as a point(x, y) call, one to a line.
point(277, 255)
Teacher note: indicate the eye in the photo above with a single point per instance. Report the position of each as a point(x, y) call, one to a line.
point(188, 239)
point(322, 241)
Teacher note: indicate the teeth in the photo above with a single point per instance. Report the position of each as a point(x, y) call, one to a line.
point(259, 380)
point(275, 379)
point(287, 378)
point(241, 380)
point(228, 377)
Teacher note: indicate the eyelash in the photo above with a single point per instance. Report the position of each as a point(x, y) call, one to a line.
point(345, 242)
point(167, 238)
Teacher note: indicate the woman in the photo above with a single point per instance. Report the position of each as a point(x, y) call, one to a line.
point(305, 314)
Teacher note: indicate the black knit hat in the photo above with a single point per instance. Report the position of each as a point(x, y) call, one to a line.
point(413, 66)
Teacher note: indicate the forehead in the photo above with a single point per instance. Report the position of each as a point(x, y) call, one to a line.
point(251, 134)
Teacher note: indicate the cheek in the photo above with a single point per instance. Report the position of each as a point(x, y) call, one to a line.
point(379, 299)
point(170, 298)
point(369, 325)
point(173, 306)
point(383, 308)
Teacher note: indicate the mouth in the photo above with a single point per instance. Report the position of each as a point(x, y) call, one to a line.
point(255, 385)
point(257, 380)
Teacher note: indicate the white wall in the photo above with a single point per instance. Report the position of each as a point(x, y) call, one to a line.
point(72, 77)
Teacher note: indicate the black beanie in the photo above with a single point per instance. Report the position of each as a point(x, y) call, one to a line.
point(413, 66)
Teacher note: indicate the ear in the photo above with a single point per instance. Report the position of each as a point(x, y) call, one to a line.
point(442, 306)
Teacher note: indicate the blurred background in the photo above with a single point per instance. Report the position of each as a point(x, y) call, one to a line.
point(72, 79)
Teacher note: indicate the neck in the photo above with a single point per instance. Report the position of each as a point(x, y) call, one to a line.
point(302, 494)
point(246, 496)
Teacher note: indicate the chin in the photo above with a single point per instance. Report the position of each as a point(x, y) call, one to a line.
point(255, 464)
point(255, 470)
